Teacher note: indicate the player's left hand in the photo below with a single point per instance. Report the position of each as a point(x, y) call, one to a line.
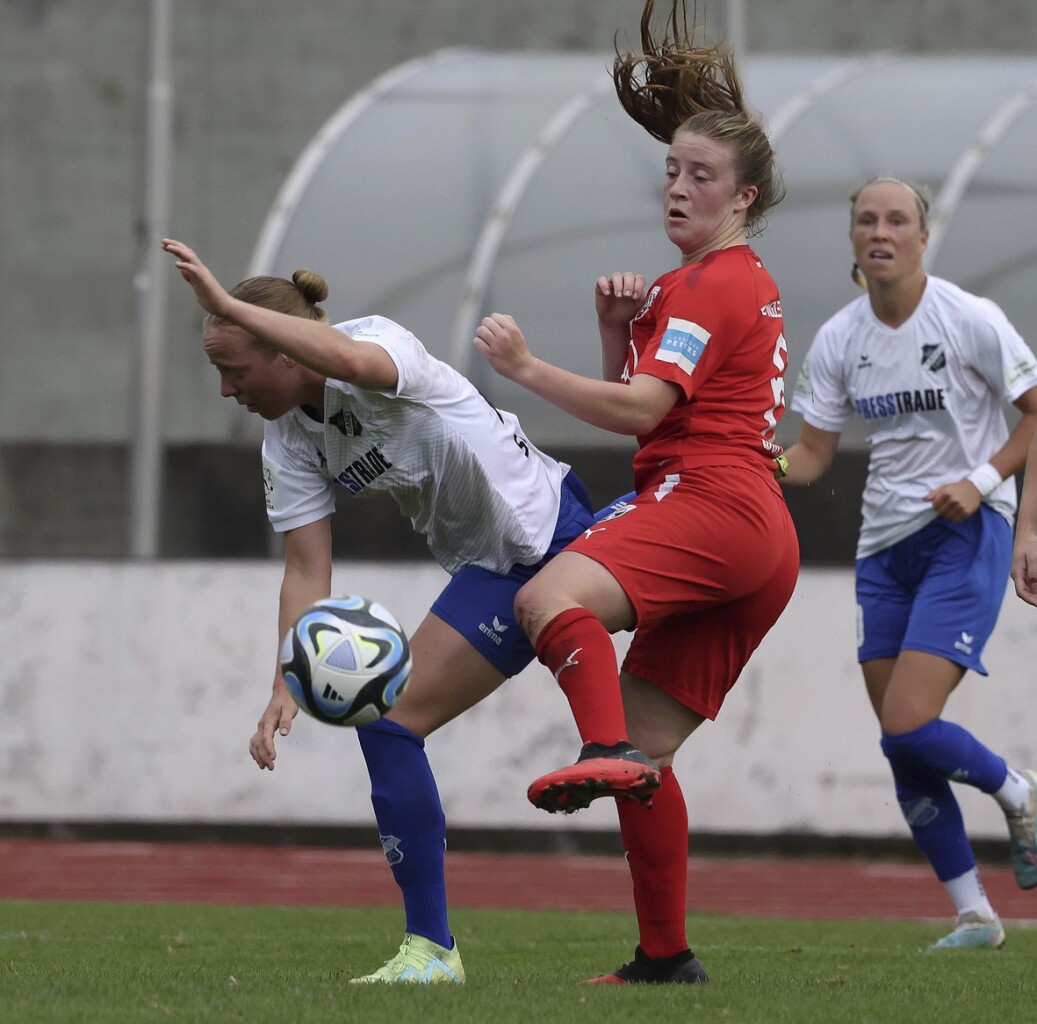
point(499, 339)
point(956, 501)
point(211, 295)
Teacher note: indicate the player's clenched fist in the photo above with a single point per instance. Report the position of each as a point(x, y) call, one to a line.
point(499, 339)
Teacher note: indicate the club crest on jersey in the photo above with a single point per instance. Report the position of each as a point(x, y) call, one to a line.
point(682, 344)
point(347, 423)
point(933, 357)
point(647, 304)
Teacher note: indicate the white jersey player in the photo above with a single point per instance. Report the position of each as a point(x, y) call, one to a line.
point(460, 470)
point(360, 409)
point(931, 395)
point(928, 367)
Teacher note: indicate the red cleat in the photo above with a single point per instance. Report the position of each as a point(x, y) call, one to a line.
point(620, 771)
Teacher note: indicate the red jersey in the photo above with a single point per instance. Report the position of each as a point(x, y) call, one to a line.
point(714, 329)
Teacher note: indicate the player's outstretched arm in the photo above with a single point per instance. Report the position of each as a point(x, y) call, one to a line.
point(313, 343)
point(211, 295)
point(634, 408)
point(307, 578)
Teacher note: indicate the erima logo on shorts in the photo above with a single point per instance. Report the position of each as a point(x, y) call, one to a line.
point(682, 344)
point(494, 631)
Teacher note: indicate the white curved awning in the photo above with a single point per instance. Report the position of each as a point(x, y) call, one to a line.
point(468, 182)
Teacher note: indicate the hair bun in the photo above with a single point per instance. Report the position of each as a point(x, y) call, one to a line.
point(313, 287)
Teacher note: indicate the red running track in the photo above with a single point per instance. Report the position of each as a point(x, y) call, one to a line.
point(53, 869)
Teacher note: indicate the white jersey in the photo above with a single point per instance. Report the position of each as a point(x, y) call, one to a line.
point(460, 470)
point(931, 394)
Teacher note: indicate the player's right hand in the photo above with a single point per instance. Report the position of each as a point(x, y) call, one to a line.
point(618, 297)
point(211, 295)
point(277, 718)
point(1024, 568)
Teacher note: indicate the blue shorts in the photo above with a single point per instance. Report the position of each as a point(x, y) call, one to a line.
point(479, 604)
point(937, 591)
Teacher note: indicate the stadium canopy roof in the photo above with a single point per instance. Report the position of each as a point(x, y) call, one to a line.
point(469, 182)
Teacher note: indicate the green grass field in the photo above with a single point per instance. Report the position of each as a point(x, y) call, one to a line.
point(64, 963)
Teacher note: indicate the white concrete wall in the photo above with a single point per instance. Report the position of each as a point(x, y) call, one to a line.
point(128, 692)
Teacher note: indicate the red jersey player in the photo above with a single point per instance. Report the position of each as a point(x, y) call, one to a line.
point(704, 559)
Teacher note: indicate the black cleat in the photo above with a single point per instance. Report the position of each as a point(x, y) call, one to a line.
point(679, 969)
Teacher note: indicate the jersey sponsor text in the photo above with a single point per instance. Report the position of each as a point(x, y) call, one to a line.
point(357, 475)
point(896, 403)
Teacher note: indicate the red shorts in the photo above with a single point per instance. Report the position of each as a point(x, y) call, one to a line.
point(709, 559)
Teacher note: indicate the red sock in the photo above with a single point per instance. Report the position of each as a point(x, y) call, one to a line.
point(578, 650)
point(656, 844)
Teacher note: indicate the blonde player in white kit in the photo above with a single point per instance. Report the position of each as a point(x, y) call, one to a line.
point(365, 407)
point(928, 367)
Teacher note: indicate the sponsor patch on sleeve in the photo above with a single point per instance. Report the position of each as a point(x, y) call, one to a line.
point(683, 343)
point(269, 483)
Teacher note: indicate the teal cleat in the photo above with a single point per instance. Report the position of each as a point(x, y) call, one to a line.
point(973, 932)
point(1022, 829)
point(420, 961)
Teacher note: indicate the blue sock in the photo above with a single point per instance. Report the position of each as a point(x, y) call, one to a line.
point(933, 816)
point(411, 824)
point(951, 752)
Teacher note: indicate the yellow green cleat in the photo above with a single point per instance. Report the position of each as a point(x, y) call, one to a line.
point(420, 961)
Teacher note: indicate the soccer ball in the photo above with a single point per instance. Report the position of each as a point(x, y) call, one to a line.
point(346, 660)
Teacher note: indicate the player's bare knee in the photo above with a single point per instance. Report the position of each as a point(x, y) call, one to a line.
point(529, 611)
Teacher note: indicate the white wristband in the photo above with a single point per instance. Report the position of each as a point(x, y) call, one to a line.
point(984, 478)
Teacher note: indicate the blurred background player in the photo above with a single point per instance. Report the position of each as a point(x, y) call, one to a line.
point(364, 405)
point(704, 559)
point(927, 366)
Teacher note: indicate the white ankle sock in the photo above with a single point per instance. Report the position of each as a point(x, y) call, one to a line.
point(1014, 791)
point(966, 891)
